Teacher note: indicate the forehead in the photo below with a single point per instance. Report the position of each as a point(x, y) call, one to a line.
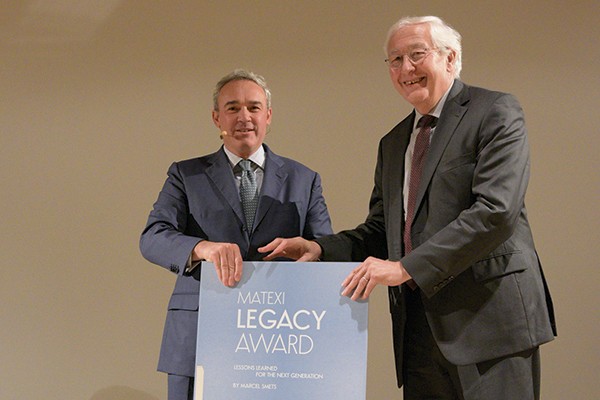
point(242, 91)
point(409, 37)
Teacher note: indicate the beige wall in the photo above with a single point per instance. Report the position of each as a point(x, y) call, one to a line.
point(97, 98)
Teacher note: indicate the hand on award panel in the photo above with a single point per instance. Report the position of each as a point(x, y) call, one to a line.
point(226, 257)
point(296, 248)
point(372, 272)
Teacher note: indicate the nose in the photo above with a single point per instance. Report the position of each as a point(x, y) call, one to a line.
point(244, 114)
point(407, 65)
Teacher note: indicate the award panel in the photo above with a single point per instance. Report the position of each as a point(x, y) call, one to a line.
point(284, 332)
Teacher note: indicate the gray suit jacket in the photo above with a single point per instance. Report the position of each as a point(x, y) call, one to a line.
point(474, 259)
point(200, 201)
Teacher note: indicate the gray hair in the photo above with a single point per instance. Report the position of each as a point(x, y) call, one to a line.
point(240, 75)
point(443, 36)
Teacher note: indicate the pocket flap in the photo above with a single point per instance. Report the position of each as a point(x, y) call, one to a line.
point(184, 302)
point(499, 265)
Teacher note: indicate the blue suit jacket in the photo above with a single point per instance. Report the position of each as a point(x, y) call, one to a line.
point(200, 201)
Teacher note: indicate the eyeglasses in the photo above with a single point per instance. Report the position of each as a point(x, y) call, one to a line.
point(415, 57)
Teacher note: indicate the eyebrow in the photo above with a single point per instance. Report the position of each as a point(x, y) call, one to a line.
point(421, 45)
point(236, 102)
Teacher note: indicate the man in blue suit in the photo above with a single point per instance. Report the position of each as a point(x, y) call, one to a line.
point(447, 231)
point(199, 215)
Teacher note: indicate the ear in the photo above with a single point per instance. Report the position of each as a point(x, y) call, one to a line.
point(269, 113)
point(450, 59)
point(215, 118)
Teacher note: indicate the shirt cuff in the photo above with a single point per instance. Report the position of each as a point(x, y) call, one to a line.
point(191, 265)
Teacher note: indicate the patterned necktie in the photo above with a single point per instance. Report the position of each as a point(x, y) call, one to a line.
point(418, 161)
point(248, 193)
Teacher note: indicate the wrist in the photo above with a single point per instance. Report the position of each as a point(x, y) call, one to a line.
point(198, 251)
point(315, 249)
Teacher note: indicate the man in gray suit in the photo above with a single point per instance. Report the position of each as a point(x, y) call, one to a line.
point(447, 231)
point(199, 214)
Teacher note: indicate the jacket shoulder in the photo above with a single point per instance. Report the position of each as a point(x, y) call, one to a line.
point(476, 94)
point(197, 163)
point(288, 164)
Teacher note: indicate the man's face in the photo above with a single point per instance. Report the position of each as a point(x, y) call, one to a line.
point(423, 84)
point(244, 115)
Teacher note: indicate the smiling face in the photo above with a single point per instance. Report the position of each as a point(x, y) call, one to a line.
point(423, 84)
point(244, 115)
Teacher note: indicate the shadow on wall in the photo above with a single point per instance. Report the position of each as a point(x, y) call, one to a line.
point(122, 393)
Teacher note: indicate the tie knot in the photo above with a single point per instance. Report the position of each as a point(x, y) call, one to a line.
point(246, 165)
point(426, 120)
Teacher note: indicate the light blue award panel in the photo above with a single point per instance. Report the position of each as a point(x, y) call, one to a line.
point(284, 332)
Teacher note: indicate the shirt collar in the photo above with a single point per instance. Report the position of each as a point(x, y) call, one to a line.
point(437, 110)
point(258, 157)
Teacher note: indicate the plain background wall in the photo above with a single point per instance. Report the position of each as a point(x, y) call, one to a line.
point(97, 98)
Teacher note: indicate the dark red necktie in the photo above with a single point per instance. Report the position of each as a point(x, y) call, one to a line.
point(418, 161)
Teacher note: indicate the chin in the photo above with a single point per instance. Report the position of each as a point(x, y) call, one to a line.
point(418, 96)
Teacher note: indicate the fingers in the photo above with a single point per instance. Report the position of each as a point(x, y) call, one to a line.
point(217, 263)
point(232, 266)
point(296, 248)
point(356, 272)
point(351, 283)
point(238, 269)
point(271, 246)
point(222, 267)
point(277, 248)
point(225, 270)
point(364, 288)
point(228, 262)
point(227, 273)
point(358, 283)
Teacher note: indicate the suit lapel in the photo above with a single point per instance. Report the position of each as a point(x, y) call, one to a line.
point(221, 175)
point(273, 180)
point(393, 178)
point(451, 115)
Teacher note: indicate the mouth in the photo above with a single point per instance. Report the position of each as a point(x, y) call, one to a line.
point(245, 130)
point(413, 82)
